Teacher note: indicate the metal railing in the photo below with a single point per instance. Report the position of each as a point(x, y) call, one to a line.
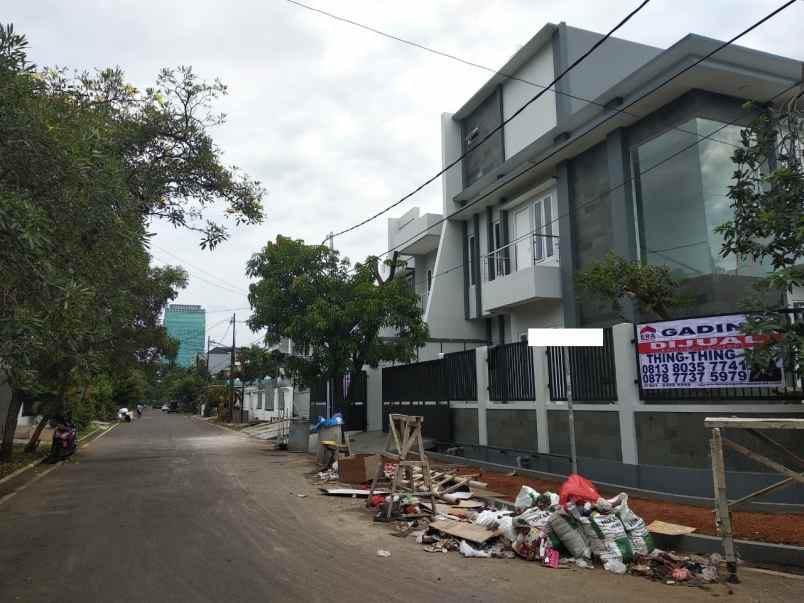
point(592, 371)
point(504, 260)
point(511, 374)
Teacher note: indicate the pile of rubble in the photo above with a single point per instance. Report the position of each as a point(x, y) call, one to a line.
point(574, 528)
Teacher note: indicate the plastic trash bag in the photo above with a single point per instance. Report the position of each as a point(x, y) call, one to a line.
point(336, 419)
point(578, 489)
point(468, 551)
point(569, 532)
point(635, 528)
point(525, 499)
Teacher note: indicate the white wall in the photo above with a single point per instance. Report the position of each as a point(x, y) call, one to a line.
point(544, 314)
point(452, 180)
point(539, 116)
point(445, 312)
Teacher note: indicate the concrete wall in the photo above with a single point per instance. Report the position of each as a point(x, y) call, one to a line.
point(301, 403)
point(464, 425)
point(597, 433)
point(540, 116)
point(609, 63)
point(680, 439)
point(512, 428)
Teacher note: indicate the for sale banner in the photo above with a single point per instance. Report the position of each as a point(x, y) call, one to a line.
point(699, 353)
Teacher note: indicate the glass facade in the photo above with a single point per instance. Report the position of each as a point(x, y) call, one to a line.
point(187, 324)
point(680, 190)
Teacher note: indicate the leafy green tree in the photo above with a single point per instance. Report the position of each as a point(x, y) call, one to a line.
point(86, 163)
point(310, 295)
point(256, 363)
point(768, 226)
point(615, 280)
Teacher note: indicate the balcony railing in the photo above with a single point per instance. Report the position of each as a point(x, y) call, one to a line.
point(528, 250)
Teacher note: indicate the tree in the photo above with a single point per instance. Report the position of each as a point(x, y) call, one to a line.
point(257, 362)
point(615, 279)
point(768, 201)
point(86, 163)
point(307, 293)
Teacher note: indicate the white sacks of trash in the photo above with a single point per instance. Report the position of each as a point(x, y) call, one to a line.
point(635, 528)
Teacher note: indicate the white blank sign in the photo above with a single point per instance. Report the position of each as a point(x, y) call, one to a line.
point(573, 338)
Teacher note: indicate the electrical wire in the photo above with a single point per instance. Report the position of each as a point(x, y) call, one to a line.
point(499, 127)
point(170, 253)
point(594, 127)
point(743, 113)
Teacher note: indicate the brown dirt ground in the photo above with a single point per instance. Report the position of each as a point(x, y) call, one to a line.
point(779, 528)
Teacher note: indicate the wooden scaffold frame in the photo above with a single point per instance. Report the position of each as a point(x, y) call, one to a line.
point(723, 507)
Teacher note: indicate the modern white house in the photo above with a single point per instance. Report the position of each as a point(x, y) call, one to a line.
point(588, 167)
point(625, 155)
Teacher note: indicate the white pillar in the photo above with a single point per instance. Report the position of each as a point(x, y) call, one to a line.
point(541, 377)
point(482, 369)
point(627, 389)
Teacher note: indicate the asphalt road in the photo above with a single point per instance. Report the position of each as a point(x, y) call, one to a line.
point(170, 508)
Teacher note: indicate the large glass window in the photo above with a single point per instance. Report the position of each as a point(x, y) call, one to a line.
point(682, 181)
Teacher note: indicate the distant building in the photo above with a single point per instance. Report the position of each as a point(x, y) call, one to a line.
point(186, 324)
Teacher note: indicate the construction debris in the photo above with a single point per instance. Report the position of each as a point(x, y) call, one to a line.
point(446, 510)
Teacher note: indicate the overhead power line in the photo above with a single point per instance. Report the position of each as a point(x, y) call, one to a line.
point(586, 132)
point(499, 127)
point(627, 181)
point(183, 261)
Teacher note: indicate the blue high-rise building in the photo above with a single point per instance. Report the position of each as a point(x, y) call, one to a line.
point(186, 324)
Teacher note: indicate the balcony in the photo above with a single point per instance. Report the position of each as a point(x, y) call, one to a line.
point(525, 270)
point(414, 234)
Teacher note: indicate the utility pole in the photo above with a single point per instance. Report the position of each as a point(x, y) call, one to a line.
point(232, 367)
point(570, 414)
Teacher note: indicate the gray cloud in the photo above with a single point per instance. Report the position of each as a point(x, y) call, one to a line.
point(335, 121)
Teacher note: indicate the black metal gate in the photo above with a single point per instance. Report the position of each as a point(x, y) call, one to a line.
point(349, 398)
point(592, 370)
point(318, 400)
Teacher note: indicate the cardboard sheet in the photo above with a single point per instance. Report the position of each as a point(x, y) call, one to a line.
point(467, 531)
point(669, 529)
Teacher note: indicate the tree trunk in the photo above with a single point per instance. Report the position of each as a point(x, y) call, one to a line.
point(10, 426)
point(34, 443)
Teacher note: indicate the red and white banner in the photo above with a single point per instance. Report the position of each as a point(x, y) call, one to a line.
point(698, 353)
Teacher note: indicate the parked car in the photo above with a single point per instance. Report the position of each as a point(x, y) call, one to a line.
point(165, 408)
point(173, 407)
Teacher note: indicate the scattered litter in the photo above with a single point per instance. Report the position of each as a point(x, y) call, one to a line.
point(525, 499)
point(302, 495)
point(383, 553)
point(468, 551)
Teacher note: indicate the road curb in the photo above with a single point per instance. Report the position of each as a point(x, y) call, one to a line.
point(21, 470)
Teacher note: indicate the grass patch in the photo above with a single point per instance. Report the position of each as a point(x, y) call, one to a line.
point(21, 459)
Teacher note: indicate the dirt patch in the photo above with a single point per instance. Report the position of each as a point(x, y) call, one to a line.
point(778, 528)
point(21, 458)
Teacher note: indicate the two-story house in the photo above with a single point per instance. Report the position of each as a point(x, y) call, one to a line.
point(602, 162)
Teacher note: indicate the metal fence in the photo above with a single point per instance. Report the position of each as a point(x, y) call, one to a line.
point(349, 398)
point(415, 382)
point(511, 372)
point(461, 375)
point(318, 400)
point(592, 371)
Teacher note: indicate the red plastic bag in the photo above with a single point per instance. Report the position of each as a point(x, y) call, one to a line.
point(376, 500)
point(579, 489)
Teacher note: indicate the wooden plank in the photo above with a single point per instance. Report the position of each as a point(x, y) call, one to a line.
point(350, 492)
point(763, 491)
point(722, 513)
point(763, 460)
point(669, 529)
point(467, 531)
point(746, 423)
point(471, 504)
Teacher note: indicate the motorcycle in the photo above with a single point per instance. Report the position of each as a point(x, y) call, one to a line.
point(63, 445)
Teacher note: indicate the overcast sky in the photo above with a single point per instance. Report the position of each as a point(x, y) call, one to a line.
point(335, 121)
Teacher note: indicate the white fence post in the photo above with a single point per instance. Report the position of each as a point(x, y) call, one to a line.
point(541, 376)
point(627, 390)
point(482, 369)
